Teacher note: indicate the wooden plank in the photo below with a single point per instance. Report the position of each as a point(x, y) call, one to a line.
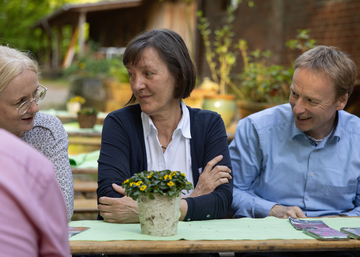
point(85, 186)
point(85, 205)
point(85, 140)
point(84, 170)
point(188, 246)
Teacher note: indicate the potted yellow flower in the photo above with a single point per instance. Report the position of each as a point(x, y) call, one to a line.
point(158, 195)
point(87, 117)
point(74, 104)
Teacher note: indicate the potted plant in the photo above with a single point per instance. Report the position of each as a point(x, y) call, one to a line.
point(96, 78)
point(87, 117)
point(263, 84)
point(158, 195)
point(220, 68)
point(74, 104)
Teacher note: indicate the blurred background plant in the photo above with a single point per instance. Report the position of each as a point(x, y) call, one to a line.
point(93, 65)
point(88, 111)
point(264, 82)
point(223, 58)
point(77, 99)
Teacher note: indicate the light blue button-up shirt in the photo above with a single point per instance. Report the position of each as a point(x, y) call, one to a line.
point(275, 163)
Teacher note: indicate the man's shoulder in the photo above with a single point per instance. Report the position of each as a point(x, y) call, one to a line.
point(279, 115)
point(349, 123)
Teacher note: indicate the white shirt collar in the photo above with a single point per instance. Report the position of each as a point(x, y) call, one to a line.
point(183, 126)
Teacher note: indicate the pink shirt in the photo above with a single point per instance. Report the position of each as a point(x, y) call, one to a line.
point(33, 215)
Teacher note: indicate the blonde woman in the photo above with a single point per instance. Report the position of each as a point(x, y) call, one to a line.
point(20, 94)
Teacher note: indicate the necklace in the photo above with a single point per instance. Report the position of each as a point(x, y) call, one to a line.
point(163, 147)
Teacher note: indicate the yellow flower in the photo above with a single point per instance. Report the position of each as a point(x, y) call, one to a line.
point(161, 178)
point(183, 174)
point(170, 183)
point(126, 181)
point(166, 176)
point(132, 183)
point(138, 183)
point(143, 187)
point(150, 175)
point(77, 99)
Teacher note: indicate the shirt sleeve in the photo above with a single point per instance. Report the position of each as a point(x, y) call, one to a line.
point(58, 154)
point(246, 160)
point(54, 235)
point(114, 166)
point(216, 204)
point(356, 210)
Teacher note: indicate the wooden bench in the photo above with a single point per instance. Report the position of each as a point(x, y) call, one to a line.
point(85, 186)
point(85, 205)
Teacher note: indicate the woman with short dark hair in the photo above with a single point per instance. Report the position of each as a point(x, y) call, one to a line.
point(161, 132)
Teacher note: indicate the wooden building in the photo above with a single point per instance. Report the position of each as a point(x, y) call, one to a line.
point(114, 23)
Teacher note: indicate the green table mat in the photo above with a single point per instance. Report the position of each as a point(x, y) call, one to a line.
point(84, 160)
point(75, 128)
point(225, 229)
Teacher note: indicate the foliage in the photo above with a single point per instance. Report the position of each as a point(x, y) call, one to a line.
point(77, 99)
point(222, 43)
point(89, 66)
point(261, 82)
point(302, 41)
point(164, 182)
point(88, 111)
point(269, 83)
point(17, 18)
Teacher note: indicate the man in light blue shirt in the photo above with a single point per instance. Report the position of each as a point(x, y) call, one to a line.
point(301, 159)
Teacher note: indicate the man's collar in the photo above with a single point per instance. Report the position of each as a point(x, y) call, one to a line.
point(296, 132)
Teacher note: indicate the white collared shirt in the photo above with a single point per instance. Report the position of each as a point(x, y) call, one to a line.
point(177, 156)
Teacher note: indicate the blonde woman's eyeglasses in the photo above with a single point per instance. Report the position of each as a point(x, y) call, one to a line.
point(39, 96)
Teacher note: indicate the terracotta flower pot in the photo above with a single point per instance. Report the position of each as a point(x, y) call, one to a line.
point(86, 121)
point(159, 217)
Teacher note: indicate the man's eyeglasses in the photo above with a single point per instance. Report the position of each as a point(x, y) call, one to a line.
point(39, 96)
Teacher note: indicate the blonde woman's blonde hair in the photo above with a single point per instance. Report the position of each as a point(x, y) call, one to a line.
point(12, 63)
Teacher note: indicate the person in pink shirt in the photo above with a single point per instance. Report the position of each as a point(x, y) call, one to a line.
point(33, 212)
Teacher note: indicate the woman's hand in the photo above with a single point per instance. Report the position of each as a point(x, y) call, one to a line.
point(211, 177)
point(119, 210)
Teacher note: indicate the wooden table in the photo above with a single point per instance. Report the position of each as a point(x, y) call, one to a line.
point(209, 236)
point(184, 246)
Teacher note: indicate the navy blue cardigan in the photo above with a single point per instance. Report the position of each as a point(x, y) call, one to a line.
point(123, 154)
